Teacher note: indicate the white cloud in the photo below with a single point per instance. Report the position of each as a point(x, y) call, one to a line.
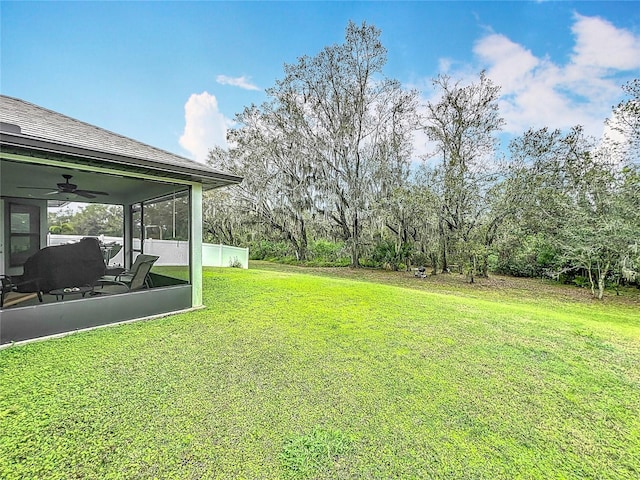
point(536, 92)
point(444, 65)
point(205, 126)
point(511, 64)
point(599, 44)
point(242, 82)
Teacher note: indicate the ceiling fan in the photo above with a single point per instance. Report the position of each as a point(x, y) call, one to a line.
point(68, 188)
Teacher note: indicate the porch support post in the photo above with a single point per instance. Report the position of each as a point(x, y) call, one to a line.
point(196, 244)
point(3, 267)
point(127, 236)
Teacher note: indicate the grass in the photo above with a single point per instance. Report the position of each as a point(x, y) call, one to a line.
point(334, 373)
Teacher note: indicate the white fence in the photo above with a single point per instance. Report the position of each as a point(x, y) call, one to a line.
point(224, 256)
point(171, 252)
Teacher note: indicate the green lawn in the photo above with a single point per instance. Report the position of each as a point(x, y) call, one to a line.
point(321, 373)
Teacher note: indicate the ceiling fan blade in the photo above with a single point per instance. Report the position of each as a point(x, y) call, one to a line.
point(92, 192)
point(36, 188)
point(84, 193)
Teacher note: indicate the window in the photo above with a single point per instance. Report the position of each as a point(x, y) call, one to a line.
point(165, 228)
point(24, 232)
point(167, 218)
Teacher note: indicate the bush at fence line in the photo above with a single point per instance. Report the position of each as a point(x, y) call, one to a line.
point(321, 262)
point(268, 250)
point(235, 263)
point(320, 253)
point(327, 252)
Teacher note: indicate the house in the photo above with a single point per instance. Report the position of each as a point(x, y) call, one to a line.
point(46, 156)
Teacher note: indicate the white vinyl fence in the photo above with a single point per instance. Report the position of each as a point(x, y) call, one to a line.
point(171, 252)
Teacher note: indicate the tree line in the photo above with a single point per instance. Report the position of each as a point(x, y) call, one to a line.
point(329, 173)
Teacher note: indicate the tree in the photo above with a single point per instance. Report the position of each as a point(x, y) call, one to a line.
point(577, 198)
point(604, 226)
point(60, 222)
point(93, 219)
point(275, 192)
point(352, 126)
point(625, 121)
point(224, 221)
point(397, 229)
point(278, 177)
point(61, 229)
point(424, 204)
point(463, 123)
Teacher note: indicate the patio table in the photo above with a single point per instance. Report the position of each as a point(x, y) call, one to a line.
point(61, 292)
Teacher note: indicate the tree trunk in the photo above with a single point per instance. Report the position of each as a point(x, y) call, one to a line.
point(434, 263)
point(592, 282)
point(355, 255)
point(600, 288)
point(443, 246)
point(484, 270)
point(445, 266)
point(601, 279)
point(303, 244)
point(472, 269)
point(355, 238)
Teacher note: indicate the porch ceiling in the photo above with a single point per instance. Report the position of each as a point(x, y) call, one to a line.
point(33, 136)
point(15, 175)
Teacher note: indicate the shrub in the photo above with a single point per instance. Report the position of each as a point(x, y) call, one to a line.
point(420, 259)
point(581, 281)
point(368, 263)
point(389, 255)
point(532, 256)
point(268, 250)
point(235, 263)
point(326, 250)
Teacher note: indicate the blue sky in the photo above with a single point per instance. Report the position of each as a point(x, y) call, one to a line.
point(174, 74)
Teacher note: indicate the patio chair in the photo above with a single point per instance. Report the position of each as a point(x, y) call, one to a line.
point(10, 295)
point(136, 278)
point(109, 251)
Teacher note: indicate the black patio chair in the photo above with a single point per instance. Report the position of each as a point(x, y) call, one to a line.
point(136, 278)
point(11, 296)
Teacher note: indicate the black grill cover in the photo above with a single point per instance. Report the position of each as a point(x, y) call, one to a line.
point(62, 266)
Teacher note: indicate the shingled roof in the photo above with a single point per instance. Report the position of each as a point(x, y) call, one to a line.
point(31, 126)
